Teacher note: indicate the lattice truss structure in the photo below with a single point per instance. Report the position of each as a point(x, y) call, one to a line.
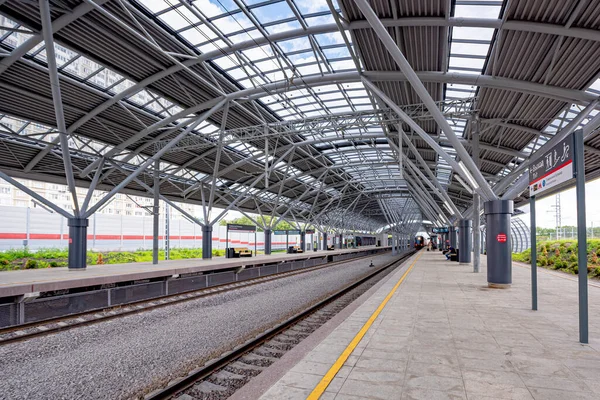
point(299, 110)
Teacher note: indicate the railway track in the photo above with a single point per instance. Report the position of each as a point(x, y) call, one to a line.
point(220, 378)
point(50, 326)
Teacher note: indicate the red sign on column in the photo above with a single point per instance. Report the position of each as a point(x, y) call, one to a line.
point(501, 237)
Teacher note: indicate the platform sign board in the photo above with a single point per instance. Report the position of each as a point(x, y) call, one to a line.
point(279, 232)
point(309, 231)
point(241, 228)
point(553, 168)
point(440, 230)
point(293, 232)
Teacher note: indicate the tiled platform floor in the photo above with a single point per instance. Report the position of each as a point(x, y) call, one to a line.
point(445, 335)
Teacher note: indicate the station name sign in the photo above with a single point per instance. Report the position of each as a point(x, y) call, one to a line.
point(241, 228)
point(310, 231)
point(553, 168)
point(440, 230)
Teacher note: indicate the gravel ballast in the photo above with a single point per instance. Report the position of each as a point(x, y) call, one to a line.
point(129, 356)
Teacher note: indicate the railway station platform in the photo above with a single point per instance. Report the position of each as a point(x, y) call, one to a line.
point(36, 294)
point(444, 334)
point(41, 280)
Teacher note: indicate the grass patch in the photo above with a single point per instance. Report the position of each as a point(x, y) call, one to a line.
point(561, 255)
point(18, 259)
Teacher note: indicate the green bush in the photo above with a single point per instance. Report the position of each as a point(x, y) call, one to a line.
point(53, 257)
point(562, 255)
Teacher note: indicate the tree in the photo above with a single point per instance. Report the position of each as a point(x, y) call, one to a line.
point(243, 220)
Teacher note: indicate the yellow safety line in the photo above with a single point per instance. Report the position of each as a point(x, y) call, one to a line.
point(326, 380)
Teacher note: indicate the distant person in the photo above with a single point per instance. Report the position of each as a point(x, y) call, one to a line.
point(451, 252)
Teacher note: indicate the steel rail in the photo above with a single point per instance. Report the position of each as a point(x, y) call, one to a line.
point(211, 367)
point(122, 310)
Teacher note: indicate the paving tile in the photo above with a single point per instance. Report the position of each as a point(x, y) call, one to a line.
point(336, 384)
point(300, 380)
point(575, 385)
point(378, 376)
point(540, 366)
point(419, 369)
point(433, 358)
point(310, 367)
point(371, 390)
point(554, 394)
point(384, 355)
point(433, 382)
point(342, 396)
point(445, 335)
point(493, 363)
point(282, 392)
point(416, 393)
point(379, 364)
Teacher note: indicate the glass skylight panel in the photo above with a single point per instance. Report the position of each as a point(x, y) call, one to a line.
point(464, 62)
point(318, 20)
point(594, 87)
point(277, 27)
point(298, 44)
point(232, 24)
point(478, 10)
point(326, 39)
point(312, 69)
point(124, 85)
point(199, 35)
point(215, 45)
point(462, 32)
point(336, 103)
point(343, 65)
point(273, 12)
point(142, 97)
point(179, 18)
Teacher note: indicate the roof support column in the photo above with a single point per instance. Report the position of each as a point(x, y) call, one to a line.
point(156, 212)
point(421, 91)
point(154, 158)
point(57, 99)
point(434, 179)
point(475, 126)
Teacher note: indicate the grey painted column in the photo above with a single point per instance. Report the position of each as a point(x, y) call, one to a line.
point(582, 253)
point(393, 244)
point(156, 213)
point(453, 238)
point(475, 130)
point(268, 241)
point(533, 253)
point(78, 243)
point(324, 240)
point(465, 241)
point(303, 240)
point(476, 234)
point(498, 242)
point(207, 242)
point(341, 241)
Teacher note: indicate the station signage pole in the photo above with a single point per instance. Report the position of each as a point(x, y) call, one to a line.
point(559, 165)
point(581, 236)
point(533, 253)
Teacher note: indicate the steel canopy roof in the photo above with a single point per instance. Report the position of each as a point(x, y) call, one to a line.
point(300, 136)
